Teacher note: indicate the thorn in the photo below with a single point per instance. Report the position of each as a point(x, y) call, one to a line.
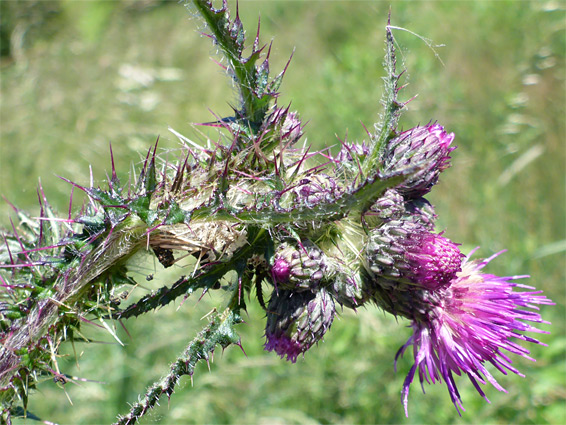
point(239, 344)
point(8, 249)
point(125, 329)
point(287, 64)
point(91, 176)
point(16, 210)
point(367, 131)
point(70, 203)
point(185, 140)
point(155, 148)
point(266, 61)
point(84, 189)
point(21, 244)
point(41, 213)
point(114, 176)
point(224, 67)
point(300, 162)
point(110, 184)
point(256, 41)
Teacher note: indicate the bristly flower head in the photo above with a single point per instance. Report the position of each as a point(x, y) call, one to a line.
point(297, 320)
point(426, 148)
point(316, 189)
point(458, 329)
point(299, 268)
point(392, 206)
point(351, 152)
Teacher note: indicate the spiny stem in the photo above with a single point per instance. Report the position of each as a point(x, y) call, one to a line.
point(219, 331)
point(359, 200)
point(391, 108)
point(230, 37)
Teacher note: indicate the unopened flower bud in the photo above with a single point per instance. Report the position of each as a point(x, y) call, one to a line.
point(292, 127)
point(350, 151)
point(420, 211)
point(350, 290)
point(288, 124)
point(407, 251)
point(424, 148)
point(391, 206)
point(299, 267)
point(317, 188)
point(297, 320)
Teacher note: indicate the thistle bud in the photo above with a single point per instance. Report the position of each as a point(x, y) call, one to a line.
point(297, 320)
point(288, 123)
point(350, 290)
point(425, 149)
point(299, 268)
point(317, 188)
point(350, 151)
point(408, 252)
point(391, 206)
point(420, 211)
point(292, 127)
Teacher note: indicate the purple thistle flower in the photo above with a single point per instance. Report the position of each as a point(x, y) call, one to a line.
point(459, 328)
point(409, 252)
point(297, 320)
point(426, 148)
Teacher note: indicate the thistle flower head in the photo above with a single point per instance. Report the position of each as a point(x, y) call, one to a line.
point(350, 289)
point(292, 128)
point(299, 267)
point(409, 252)
point(427, 149)
point(391, 206)
point(351, 151)
point(420, 211)
point(297, 320)
point(458, 329)
point(316, 189)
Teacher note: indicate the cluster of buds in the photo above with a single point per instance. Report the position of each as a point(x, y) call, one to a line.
point(461, 318)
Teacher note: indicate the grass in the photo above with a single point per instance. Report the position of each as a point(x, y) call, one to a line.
point(86, 74)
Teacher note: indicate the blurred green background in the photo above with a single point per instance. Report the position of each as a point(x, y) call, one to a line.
point(77, 75)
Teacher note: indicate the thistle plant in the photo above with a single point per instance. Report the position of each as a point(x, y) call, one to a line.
point(306, 233)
